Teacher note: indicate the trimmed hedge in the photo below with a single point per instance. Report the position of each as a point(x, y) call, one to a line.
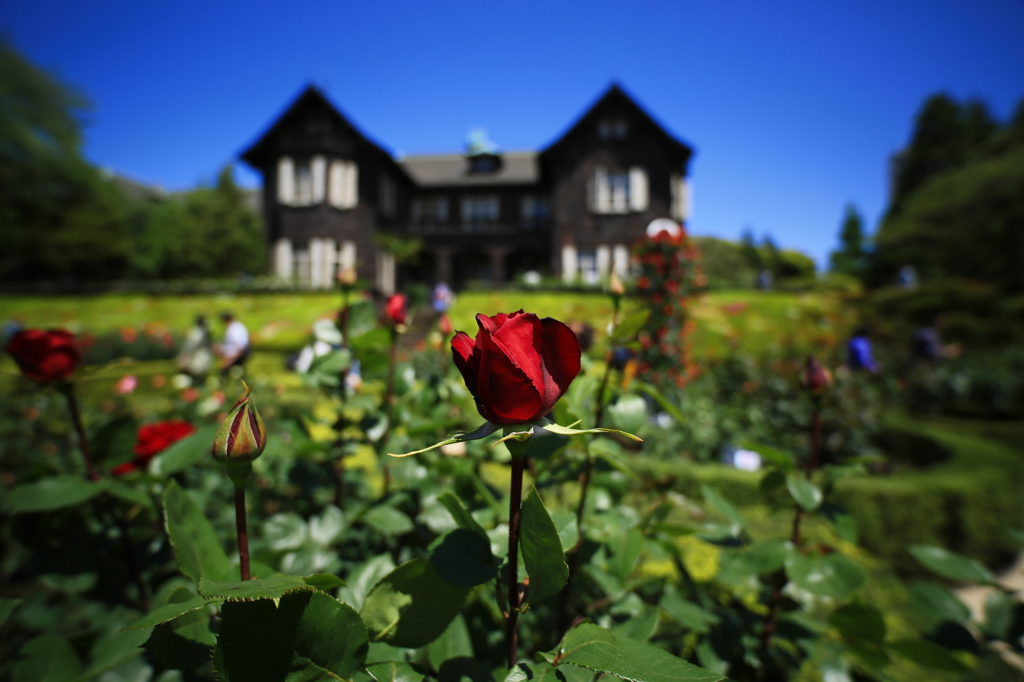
point(965, 504)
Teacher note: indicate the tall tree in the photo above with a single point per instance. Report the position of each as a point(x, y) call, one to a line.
point(851, 256)
point(945, 136)
point(61, 218)
point(208, 232)
point(964, 217)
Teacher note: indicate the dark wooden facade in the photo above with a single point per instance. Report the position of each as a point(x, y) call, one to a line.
point(571, 210)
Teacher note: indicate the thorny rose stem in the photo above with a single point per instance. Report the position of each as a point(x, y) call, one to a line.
point(588, 465)
point(102, 500)
point(795, 537)
point(76, 421)
point(339, 469)
point(514, 504)
point(388, 404)
point(243, 531)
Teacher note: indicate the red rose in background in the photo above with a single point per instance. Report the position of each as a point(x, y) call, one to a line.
point(396, 308)
point(444, 325)
point(45, 356)
point(153, 439)
point(518, 366)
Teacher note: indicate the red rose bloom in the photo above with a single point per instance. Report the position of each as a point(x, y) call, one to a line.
point(45, 356)
point(151, 440)
point(396, 309)
point(154, 438)
point(444, 325)
point(518, 366)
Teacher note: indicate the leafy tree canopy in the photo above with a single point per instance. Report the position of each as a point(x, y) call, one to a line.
point(851, 256)
point(958, 204)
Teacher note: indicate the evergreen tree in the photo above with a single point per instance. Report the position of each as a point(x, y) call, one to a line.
point(850, 258)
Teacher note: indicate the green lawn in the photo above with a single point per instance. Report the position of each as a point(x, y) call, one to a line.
point(750, 321)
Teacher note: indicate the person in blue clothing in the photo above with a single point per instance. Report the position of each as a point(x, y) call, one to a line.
point(859, 355)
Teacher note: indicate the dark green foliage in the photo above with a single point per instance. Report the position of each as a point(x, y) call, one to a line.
point(67, 221)
point(851, 256)
point(958, 203)
point(208, 232)
point(725, 264)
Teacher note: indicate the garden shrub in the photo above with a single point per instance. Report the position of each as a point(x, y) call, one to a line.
point(966, 504)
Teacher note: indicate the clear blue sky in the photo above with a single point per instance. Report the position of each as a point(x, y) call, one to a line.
point(793, 107)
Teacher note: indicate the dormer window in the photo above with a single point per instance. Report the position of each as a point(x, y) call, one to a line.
point(484, 163)
point(612, 129)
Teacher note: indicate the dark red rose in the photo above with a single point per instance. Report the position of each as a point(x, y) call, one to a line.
point(45, 356)
point(518, 366)
point(154, 438)
point(444, 325)
point(816, 378)
point(126, 468)
point(396, 308)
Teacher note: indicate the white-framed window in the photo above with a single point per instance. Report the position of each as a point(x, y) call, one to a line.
point(586, 265)
point(303, 182)
point(681, 197)
point(535, 211)
point(616, 190)
point(430, 210)
point(480, 210)
point(300, 180)
point(612, 128)
point(387, 195)
point(344, 184)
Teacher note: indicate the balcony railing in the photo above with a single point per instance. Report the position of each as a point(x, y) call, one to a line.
point(480, 227)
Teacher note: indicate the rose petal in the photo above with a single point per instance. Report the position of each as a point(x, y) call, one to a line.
point(561, 352)
point(506, 395)
point(463, 349)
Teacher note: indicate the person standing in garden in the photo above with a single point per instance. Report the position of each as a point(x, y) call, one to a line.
point(859, 356)
point(235, 349)
point(196, 356)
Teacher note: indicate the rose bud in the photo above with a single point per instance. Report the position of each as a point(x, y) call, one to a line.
point(518, 366)
point(242, 435)
point(615, 285)
point(444, 325)
point(816, 378)
point(396, 309)
point(45, 356)
point(347, 277)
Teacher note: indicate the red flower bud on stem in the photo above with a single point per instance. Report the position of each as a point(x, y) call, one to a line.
point(45, 356)
point(816, 378)
point(397, 309)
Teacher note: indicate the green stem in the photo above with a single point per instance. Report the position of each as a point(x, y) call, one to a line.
point(106, 508)
point(76, 421)
point(242, 527)
point(514, 508)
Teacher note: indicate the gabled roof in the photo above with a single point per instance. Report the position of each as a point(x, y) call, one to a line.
point(615, 95)
point(311, 98)
point(447, 170)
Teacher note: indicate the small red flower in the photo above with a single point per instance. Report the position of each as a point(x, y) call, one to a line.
point(45, 356)
point(397, 309)
point(444, 325)
point(518, 366)
point(155, 438)
point(152, 439)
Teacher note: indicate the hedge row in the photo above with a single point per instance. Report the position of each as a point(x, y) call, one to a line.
point(966, 503)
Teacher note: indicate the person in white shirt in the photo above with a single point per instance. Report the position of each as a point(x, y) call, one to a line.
point(235, 349)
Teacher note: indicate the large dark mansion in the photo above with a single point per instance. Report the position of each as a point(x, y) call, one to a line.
point(571, 209)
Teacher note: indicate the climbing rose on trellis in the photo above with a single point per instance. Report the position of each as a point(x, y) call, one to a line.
point(670, 276)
